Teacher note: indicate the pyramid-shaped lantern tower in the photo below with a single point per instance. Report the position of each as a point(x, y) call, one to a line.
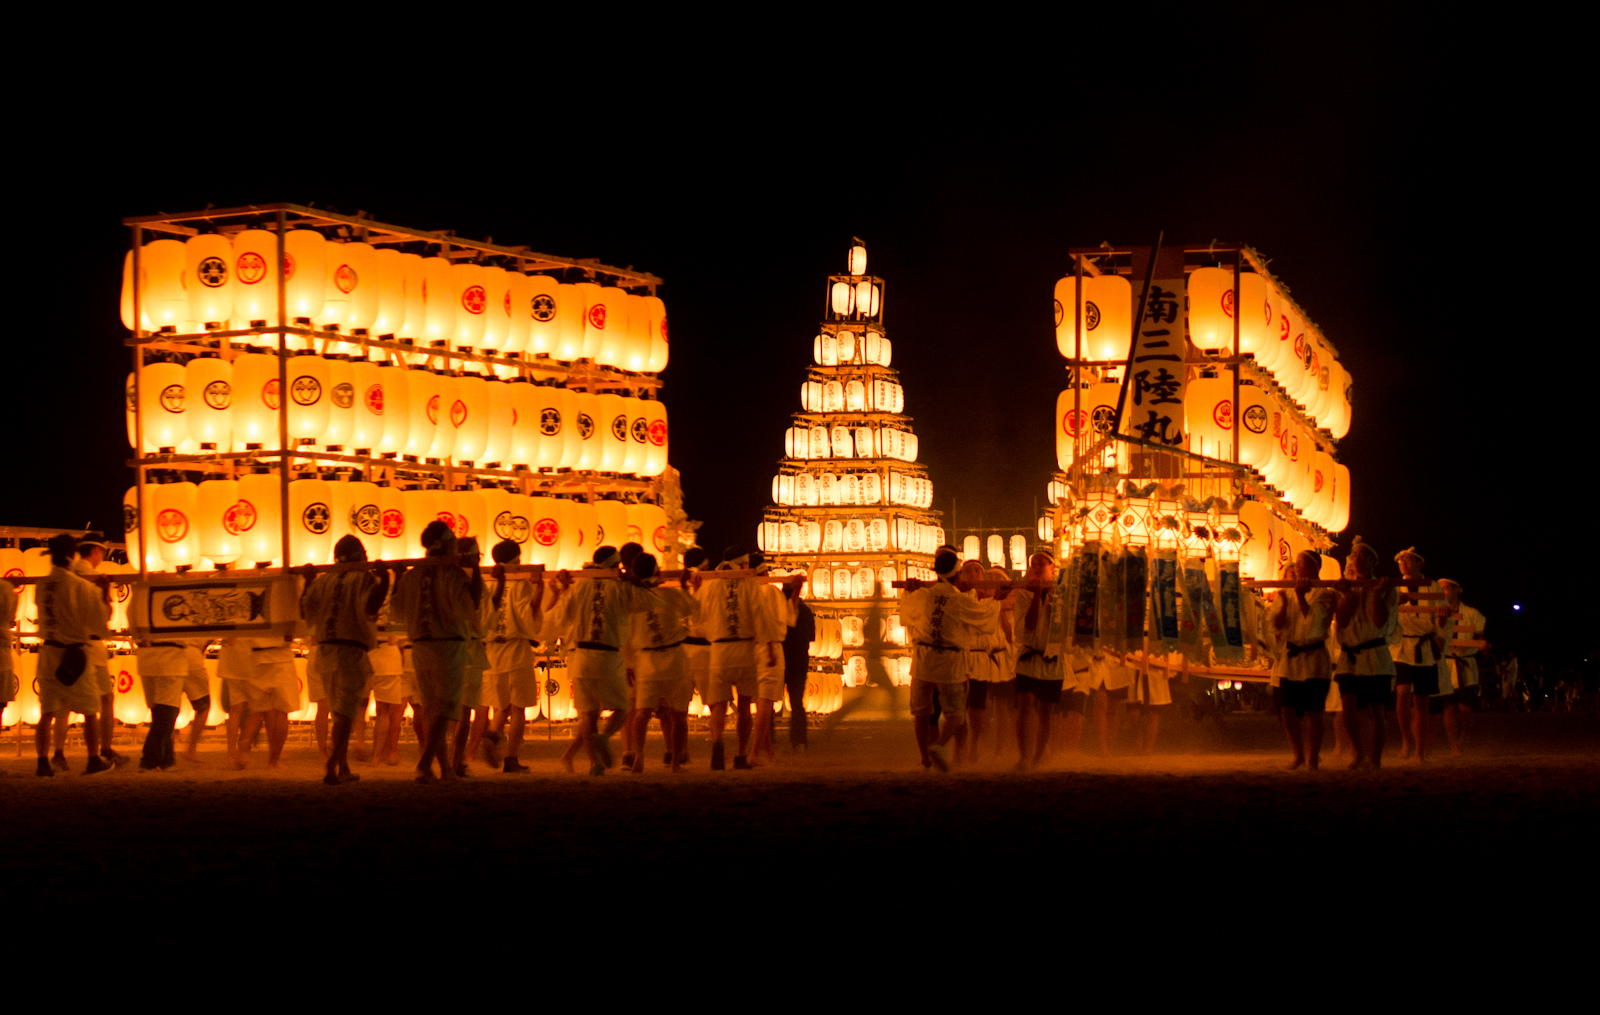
point(851, 504)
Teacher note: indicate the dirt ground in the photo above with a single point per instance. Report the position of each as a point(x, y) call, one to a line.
point(854, 820)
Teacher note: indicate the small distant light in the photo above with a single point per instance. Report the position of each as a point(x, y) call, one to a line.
point(1516, 607)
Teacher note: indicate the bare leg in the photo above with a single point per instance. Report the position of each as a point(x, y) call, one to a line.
point(920, 725)
point(108, 724)
point(763, 729)
point(1045, 712)
point(719, 721)
point(971, 743)
point(638, 728)
point(380, 732)
point(338, 766)
point(319, 725)
point(277, 736)
point(680, 740)
point(459, 737)
point(1419, 725)
point(247, 732)
point(1027, 705)
point(1314, 740)
point(742, 725)
point(519, 724)
point(1294, 729)
point(1343, 741)
point(41, 733)
point(632, 744)
point(62, 719)
point(197, 727)
point(1402, 711)
point(591, 729)
point(1452, 728)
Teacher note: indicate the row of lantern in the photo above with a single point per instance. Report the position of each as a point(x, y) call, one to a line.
point(862, 300)
point(353, 286)
point(837, 348)
point(849, 535)
point(841, 441)
point(996, 546)
point(871, 394)
point(227, 521)
point(1271, 329)
point(898, 668)
point(805, 489)
point(1272, 442)
point(337, 402)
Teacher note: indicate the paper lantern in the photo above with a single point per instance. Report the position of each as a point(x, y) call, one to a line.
point(1256, 553)
point(496, 314)
point(472, 304)
point(414, 271)
point(164, 301)
point(1208, 416)
point(472, 519)
point(392, 524)
point(1340, 516)
point(1211, 308)
point(1019, 552)
point(886, 579)
point(611, 519)
point(847, 347)
point(638, 443)
point(420, 506)
point(647, 525)
point(358, 511)
point(441, 300)
point(995, 548)
point(215, 504)
point(255, 401)
point(863, 584)
point(441, 411)
point(208, 401)
point(423, 410)
point(610, 309)
point(367, 405)
point(821, 587)
point(389, 277)
point(547, 521)
point(349, 296)
point(842, 298)
point(857, 259)
point(305, 274)
point(208, 274)
point(172, 508)
point(969, 548)
point(824, 351)
point(127, 297)
point(257, 517)
point(812, 536)
point(877, 349)
point(569, 320)
point(341, 398)
point(584, 522)
point(310, 521)
point(592, 301)
point(1323, 483)
point(1071, 425)
point(255, 283)
point(832, 396)
point(309, 403)
point(1107, 318)
point(469, 415)
point(497, 422)
point(613, 420)
point(163, 400)
point(655, 463)
point(1257, 326)
point(656, 322)
point(593, 428)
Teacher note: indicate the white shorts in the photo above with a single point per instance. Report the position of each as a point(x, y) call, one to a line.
point(675, 693)
point(387, 688)
point(699, 657)
point(315, 690)
point(82, 697)
point(723, 682)
point(598, 680)
point(952, 698)
point(276, 686)
point(509, 655)
point(99, 668)
point(472, 694)
point(1151, 691)
point(1112, 676)
point(196, 681)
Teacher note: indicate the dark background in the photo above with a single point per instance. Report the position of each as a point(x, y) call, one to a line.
point(1411, 181)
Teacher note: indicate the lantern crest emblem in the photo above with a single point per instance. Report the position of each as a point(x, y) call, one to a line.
point(124, 681)
point(546, 531)
point(641, 430)
point(658, 432)
point(585, 426)
point(1222, 414)
point(374, 399)
point(392, 524)
point(251, 267)
point(344, 394)
point(130, 519)
point(269, 394)
point(172, 398)
point(1091, 315)
point(619, 427)
point(1255, 419)
point(474, 300)
point(543, 308)
point(345, 278)
point(433, 410)
point(305, 390)
point(316, 518)
point(212, 272)
point(1072, 422)
point(659, 537)
point(1102, 419)
point(1227, 302)
point(172, 525)
point(597, 317)
point(458, 413)
point(366, 519)
point(239, 518)
point(218, 394)
point(549, 421)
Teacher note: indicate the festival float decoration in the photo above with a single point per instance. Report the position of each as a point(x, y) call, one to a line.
point(1169, 501)
point(851, 506)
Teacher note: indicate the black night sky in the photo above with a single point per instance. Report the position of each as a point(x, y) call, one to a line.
point(1374, 162)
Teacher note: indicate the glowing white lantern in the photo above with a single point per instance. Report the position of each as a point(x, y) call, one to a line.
point(636, 339)
point(846, 342)
point(1258, 325)
point(821, 583)
point(472, 304)
point(1071, 425)
point(1208, 416)
point(647, 525)
point(1256, 553)
point(638, 445)
point(165, 301)
point(832, 536)
point(606, 324)
point(863, 583)
point(469, 414)
point(820, 446)
point(441, 300)
point(1211, 308)
point(163, 400)
point(1255, 432)
point(1340, 517)
point(305, 273)
point(783, 489)
point(392, 522)
point(595, 311)
point(498, 444)
point(877, 349)
point(127, 296)
point(656, 317)
point(360, 514)
point(472, 519)
point(524, 438)
point(583, 435)
point(538, 306)
point(969, 548)
point(440, 409)
point(805, 490)
point(389, 277)
point(1107, 318)
point(812, 536)
point(258, 517)
point(613, 421)
point(842, 298)
point(855, 396)
point(1324, 481)
point(308, 397)
point(518, 306)
point(1019, 552)
point(877, 535)
point(586, 524)
point(367, 417)
point(857, 259)
point(172, 508)
point(611, 523)
point(824, 350)
point(811, 396)
point(570, 309)
point(341, 397)
point(996, 551)
point(656, 436)
point(545, 519)
point(420, 506)
point(496, 308)
point(385, 401)
point(832, 396)
point(255, 284)
point(552, 423)
point(349, 288)
point(208, 272)
point(310, 521)
point(423, 389)
point(841, 443)
point(414, 268)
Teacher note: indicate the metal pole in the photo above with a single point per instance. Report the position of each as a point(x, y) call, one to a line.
point(138, 416)
point(283, 390)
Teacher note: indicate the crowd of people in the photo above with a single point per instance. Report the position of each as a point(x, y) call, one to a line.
point(992, 661)
point(456, 648)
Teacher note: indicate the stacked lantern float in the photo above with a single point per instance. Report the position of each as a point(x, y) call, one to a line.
point(301, 375)
point(1196, 445)
point(851, 506)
